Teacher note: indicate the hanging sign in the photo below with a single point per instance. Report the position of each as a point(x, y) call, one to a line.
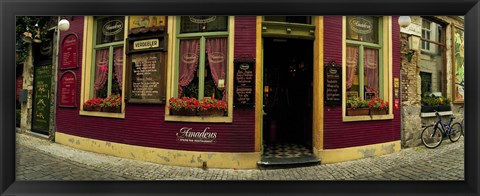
point(67, 90)
point(332, 84)
point(244, 84)
point(69, 52)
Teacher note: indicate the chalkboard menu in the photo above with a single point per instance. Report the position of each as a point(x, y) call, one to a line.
point(147, 78)
point(332, 84)
point(66, 90)
point(69, 56)
point(41, 98)
point(244, 84)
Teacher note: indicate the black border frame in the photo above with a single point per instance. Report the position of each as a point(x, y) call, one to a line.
point(10, 8)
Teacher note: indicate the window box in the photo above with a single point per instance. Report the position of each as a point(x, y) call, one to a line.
point(378, 112)
point(212, 112)
point(183, 112)
point(357, 112)
point(94, 109)
point(112, 109)
point(442, 108)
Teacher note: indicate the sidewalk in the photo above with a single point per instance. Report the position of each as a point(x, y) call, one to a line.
point(39, 159)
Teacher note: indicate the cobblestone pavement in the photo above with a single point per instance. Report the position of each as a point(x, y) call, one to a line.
point(39, 159)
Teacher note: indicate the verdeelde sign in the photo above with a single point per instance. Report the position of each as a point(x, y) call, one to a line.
point(187, 134)
point(146, 44)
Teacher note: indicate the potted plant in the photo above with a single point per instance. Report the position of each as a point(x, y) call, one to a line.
point(94, 104)
point(112, 103)
point(378, 106)
point(357, 106)
point(209, 106)
point(430, 103)
point(183, 106)
point(443, 104)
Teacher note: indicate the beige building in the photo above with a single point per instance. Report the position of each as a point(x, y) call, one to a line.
point(432, 67)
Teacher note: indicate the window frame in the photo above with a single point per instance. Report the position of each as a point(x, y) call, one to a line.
point(172, 68)
point(385, 67)
point(89, 50)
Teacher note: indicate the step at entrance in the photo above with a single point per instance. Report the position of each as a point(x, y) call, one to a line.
point(287, 155)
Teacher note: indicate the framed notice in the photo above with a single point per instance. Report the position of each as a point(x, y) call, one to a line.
point(147, 78)
point(332, 84)
point(69, 52)
point(244, 84)
point(67, 89)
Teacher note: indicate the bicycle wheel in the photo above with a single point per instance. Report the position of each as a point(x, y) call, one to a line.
point(455, 132)
point(431, 137)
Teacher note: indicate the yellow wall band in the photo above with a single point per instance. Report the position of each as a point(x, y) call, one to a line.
point(357, 152)
point(162, 156)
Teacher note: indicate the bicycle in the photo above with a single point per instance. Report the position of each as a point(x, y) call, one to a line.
point(433, 135)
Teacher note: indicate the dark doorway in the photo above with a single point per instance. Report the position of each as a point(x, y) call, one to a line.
point(288, 94)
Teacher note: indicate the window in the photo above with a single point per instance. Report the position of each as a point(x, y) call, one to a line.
point(426, 84)
point(203, 58)
point(426, 34)
point(367, 52)
point(363, 63)
point(104, 63)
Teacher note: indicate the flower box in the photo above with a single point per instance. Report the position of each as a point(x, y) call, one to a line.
point(112, 109)
point(211, 112)
point(443, 108)
point(357, 111)
point(426, 109)
point(378, 112)
point(183, 112)
point(93, 109)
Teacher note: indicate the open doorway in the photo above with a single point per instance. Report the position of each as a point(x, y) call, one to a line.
point(288, 98)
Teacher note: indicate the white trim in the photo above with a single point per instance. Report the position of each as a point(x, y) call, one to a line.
point(432, 114)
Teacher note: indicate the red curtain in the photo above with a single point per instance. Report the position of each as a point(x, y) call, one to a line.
point(371, 70)
point(188, 63)
point(352, 64)
point(217, 55)
point(118, 63)
point(101, 70)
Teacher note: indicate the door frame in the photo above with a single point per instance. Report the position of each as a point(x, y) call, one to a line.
point(317, 119)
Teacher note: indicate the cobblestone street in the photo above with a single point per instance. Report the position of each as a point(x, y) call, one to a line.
point(39, 159)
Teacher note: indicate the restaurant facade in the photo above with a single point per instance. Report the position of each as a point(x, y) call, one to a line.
point(230, 91)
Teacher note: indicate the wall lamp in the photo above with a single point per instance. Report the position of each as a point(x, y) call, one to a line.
point(64, 24)
point(413, 41)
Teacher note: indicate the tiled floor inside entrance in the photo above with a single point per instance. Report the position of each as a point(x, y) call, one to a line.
point(287, 154)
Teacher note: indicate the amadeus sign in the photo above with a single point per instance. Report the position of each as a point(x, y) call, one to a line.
point(187, 134)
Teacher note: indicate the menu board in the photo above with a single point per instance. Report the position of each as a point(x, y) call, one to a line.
point(244, 84)
point(41, 98)
point(332, 84)
point(67, 88)
point(69, 56)
point(147, 78)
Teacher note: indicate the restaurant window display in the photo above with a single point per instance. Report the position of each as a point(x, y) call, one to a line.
point(366, 71)
point(104, 84)
point(201, 67)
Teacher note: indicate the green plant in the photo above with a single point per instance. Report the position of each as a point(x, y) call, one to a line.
point(208, 103)
point(26, 24)
point(357, 103)
point(186, 103)
point(114, 101)
point(432, 100)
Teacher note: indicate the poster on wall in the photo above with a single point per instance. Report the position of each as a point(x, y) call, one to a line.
point(458, 65)
point(66, 90)
point(244, 83)
point(333, 84)
point(147, 78)
point(69, 49)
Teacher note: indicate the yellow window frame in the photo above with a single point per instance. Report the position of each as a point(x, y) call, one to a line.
point(87, 57)
point(172, 61)
point(387, 72)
